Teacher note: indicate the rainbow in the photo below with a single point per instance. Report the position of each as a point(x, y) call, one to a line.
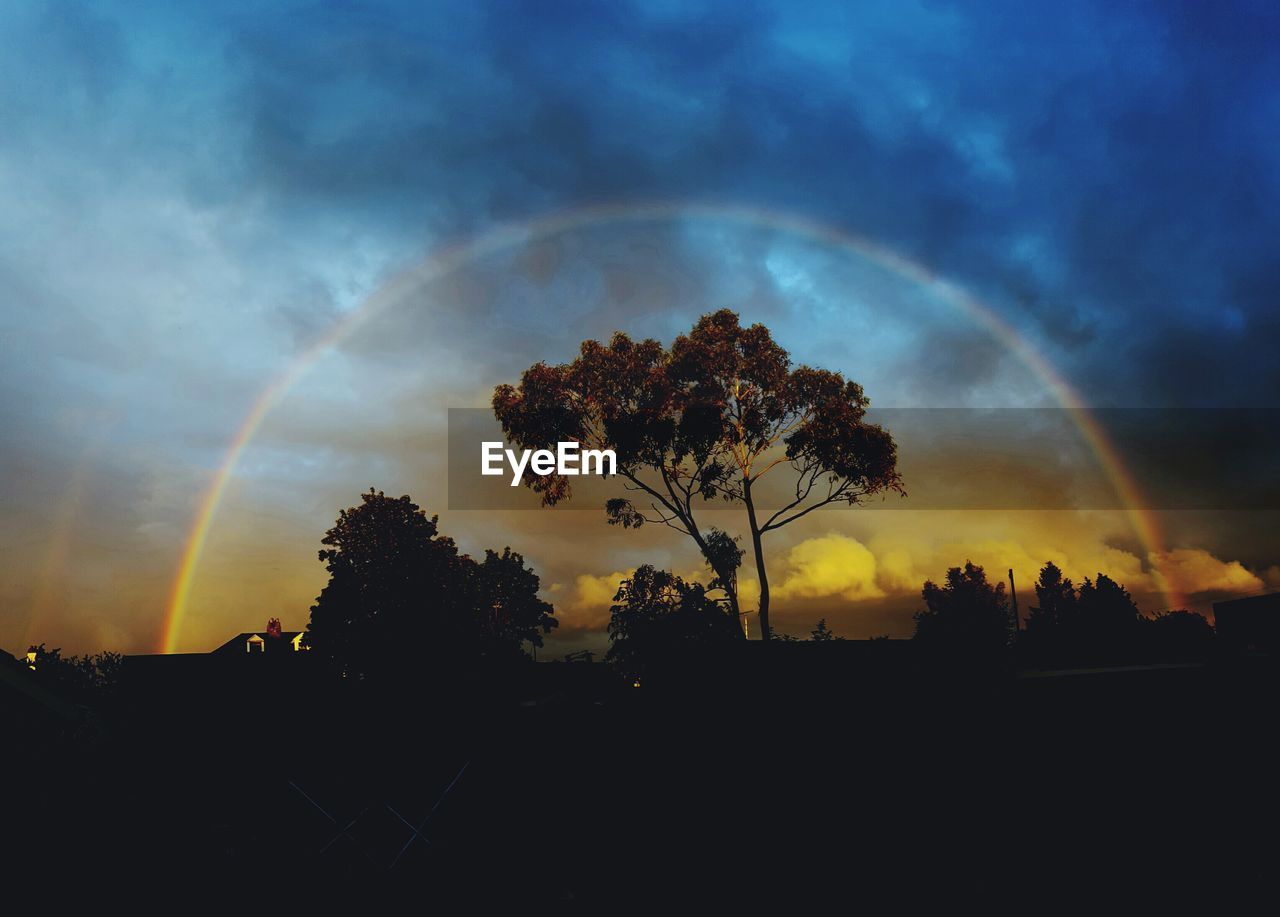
point(58, 548)
point(506, 236)
point(52, 577)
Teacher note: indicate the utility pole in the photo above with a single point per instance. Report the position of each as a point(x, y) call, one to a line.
point(1013, 594)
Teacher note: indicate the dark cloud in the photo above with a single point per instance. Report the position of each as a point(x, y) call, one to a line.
point(1101, 172)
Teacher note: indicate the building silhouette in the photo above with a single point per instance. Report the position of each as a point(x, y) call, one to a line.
point(1251, 623)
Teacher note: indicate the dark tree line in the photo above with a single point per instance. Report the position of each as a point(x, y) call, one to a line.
point(1097, 622)
point(77, 677)
point(820, 634)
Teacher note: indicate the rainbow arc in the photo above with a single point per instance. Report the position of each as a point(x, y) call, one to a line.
point(453, 257)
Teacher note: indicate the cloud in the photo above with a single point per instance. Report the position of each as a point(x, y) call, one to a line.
point(831, 565)
point(584, 605)
point(849, 578)
point(1192, 571)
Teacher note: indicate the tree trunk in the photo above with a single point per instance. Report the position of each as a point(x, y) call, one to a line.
point(760, 571)
point(729, 582)
point(732, 592)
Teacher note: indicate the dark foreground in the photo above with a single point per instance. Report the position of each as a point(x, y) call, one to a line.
point(826, 774)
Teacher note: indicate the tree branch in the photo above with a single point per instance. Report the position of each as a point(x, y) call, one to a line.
point(845, 492)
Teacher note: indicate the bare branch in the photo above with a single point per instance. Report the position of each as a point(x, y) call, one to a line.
point(846, 492)
point(805, 483)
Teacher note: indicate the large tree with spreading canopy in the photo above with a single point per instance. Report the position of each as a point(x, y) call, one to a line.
point(702, 421)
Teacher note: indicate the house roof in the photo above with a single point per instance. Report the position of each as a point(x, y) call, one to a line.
point(237, 643)
point(1266, 603)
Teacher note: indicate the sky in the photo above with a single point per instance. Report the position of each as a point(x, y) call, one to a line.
point(196, 195)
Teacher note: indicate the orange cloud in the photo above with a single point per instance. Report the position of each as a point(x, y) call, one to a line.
point(1194, 570)
point(585, 604)
point(829, 565)
point(893, 565)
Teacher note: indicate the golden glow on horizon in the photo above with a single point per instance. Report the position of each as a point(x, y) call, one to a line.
point(451, 257)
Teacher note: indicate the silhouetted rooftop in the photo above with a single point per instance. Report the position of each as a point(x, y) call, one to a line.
point(254, 641)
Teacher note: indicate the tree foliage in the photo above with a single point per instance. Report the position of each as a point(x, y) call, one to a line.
point(821, 633)
point(1100, 622)
point(966, 614)
point(1179, 635)
point(511, 611)
point(403, 602)
point(704, 420)
point(77, 677)
point(657, 618)
point(1106, 607)
point(1055, 602)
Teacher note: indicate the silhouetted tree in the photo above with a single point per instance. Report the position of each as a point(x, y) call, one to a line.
point(707, 418)
point(1178, 636)
point(821, 634)
point(1055, 598)
point(1108, 620)
point(966, 615)
point(1106, 606)
point(77, 677)
point(1097, 622)
point(510, 609)
point(403, 603)
point(658, 618)
point(1052, 620)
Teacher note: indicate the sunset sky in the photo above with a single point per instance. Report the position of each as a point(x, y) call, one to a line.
point(296, 235)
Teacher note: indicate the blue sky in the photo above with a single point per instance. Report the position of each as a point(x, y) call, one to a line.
point(193, 192)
